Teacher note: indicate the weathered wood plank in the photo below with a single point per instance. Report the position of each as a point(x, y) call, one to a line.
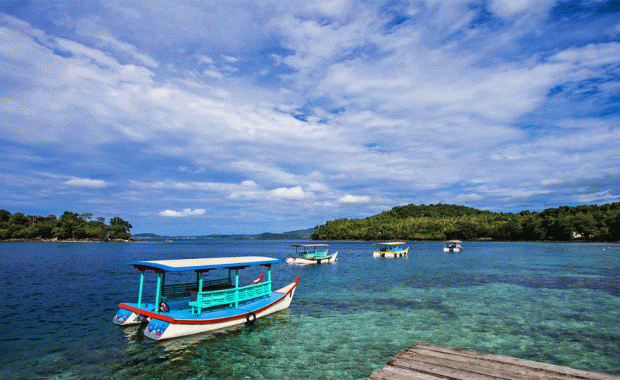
point(430, 362)
point(492, 367)
point(440, 370)
point(521, 362)
point(480, 368)
point(395, 373)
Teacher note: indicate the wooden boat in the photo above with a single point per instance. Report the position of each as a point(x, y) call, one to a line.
point(391, 249)
point(203, 305)
point(311, 254)
point(453, 246)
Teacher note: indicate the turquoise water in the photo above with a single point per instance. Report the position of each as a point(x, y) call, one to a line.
point(556, 303)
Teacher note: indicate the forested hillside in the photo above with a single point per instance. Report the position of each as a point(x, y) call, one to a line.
point(70, 226)
point(440, 221)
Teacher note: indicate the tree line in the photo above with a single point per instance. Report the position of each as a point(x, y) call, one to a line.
point(70, 226)
point(442, 221)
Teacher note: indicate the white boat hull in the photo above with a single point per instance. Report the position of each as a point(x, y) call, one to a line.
point(126, 317)
point(453, 250)
point(308, 261)
point(162, 327)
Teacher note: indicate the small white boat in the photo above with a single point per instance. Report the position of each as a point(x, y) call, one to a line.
point(453, 246)
point(311, 254)
point(391, 249)
point(203, 305)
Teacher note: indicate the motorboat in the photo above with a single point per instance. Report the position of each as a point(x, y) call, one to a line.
point(181, 309)
point(311, 254)
point(390, 249)
point(453, 246)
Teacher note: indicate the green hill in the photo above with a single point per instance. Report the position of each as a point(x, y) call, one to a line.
point(440, 221)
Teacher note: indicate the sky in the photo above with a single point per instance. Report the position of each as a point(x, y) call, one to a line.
point(235, 117)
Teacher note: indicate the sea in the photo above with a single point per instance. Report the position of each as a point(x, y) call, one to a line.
point(557, 303)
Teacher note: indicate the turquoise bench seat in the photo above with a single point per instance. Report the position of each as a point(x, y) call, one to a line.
point(232, 296)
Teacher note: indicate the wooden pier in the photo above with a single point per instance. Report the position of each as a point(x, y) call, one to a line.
point(429, 362)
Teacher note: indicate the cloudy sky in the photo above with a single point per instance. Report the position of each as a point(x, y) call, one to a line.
point(200, 117)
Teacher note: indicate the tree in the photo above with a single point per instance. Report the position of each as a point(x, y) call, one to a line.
point(119, 228)
point(5, 216)
point(614, 226)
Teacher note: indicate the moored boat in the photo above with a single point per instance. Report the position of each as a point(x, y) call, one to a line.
point(391, 249)
point(453, 246)
point(311, 254)
point(203, 305)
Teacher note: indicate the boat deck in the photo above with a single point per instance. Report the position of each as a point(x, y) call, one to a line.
point(429, 362)
point(180, 309)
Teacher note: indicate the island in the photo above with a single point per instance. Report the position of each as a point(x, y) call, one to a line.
point(70, 227)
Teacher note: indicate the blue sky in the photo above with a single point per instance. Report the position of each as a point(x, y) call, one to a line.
point(197, 117)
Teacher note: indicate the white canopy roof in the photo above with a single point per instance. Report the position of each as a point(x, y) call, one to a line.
point(205, 263)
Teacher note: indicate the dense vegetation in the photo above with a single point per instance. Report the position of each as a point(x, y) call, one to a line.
point(439, 222)
point(70, 226)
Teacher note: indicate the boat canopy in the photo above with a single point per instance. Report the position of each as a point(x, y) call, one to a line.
point(391, 243)
point(309, 245)
point(454, 242)
point(203, 264)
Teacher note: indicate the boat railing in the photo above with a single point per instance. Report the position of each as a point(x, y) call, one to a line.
point(173, 291)
point(313, 253)
point(230, 296)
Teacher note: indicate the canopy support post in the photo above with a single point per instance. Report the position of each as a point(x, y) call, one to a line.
point(269, 278)
point(158, 292)
point(236, 288)
point(199, 296)
point(140, 292)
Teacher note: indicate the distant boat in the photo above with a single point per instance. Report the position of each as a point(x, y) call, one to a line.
point(391, 249)
point(453, 246)
point(311, 254)
point(169, 240)
point(181, 309)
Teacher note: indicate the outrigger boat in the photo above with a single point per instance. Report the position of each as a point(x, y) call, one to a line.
point(204, 305)
point(453, 246)
point(311, 254)
point(391, 249)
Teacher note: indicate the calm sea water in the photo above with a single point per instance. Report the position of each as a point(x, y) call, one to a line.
point(556, 303)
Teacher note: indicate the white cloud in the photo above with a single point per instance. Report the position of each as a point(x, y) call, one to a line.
point(86, 182)
point(291, 194)
point(183, 213)
point(205, 59)
point(212, 74)
point(230, 59)
point(354, 199)
point(599, 197)
point(508, 8)
point(468, 197)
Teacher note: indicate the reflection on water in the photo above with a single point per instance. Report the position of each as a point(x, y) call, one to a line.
point(557, 303)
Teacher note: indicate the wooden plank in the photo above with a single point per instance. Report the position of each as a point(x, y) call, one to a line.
point(521, 362)
point(430, 362)
point(518, 372)
point(439, 370)
point(394, 373)
point(478, 368)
